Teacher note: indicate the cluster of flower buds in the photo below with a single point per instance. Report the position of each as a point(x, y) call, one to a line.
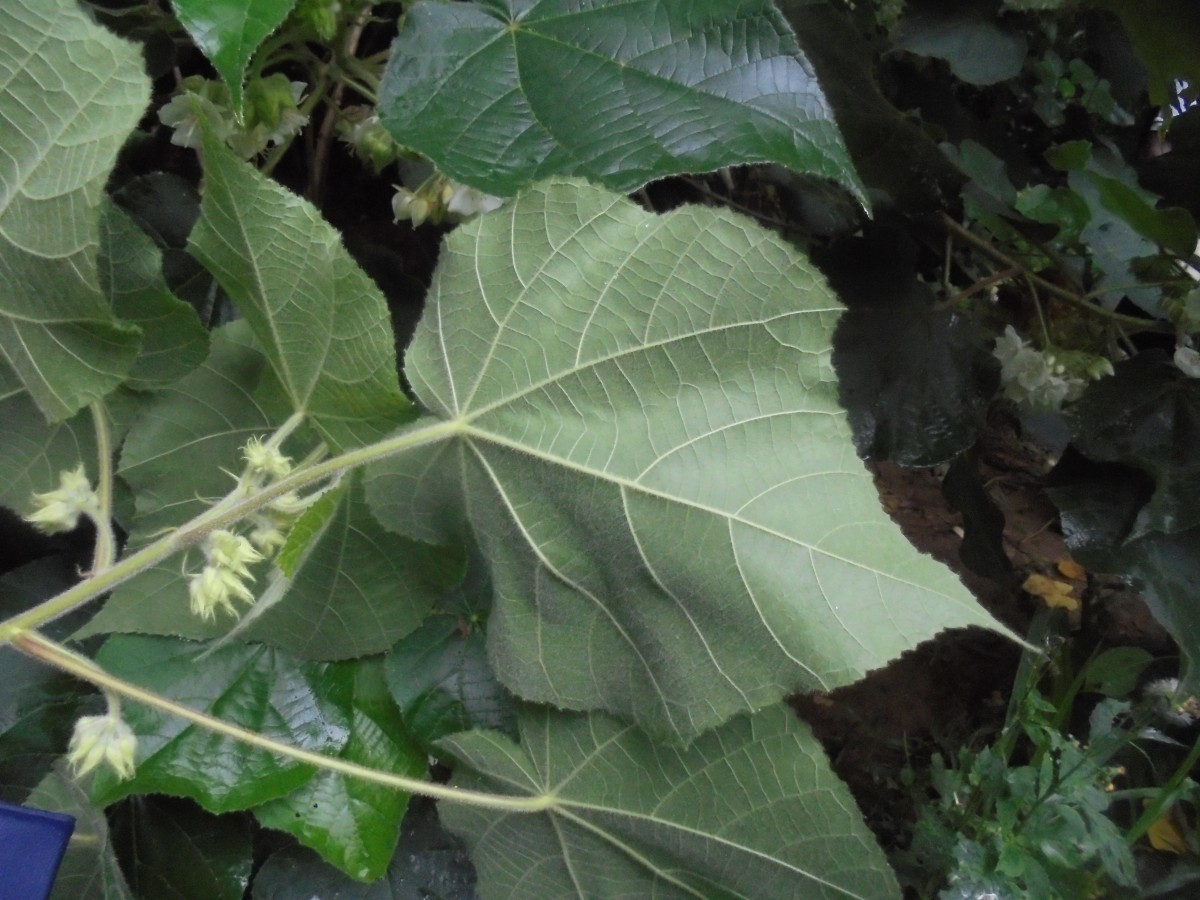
point(361, 129)
point(106, 739)
point(223, 579)
point(1044, 379)
point(270, 115)
point(440, 200)
point(59, 510)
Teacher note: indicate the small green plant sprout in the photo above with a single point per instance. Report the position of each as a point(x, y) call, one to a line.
point(103, 739)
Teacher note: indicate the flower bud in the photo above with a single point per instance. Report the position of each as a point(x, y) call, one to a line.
point(100, 739)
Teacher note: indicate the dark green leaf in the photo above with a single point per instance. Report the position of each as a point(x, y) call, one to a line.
point(70, 94)
point(356, 588)
point(173, 849)
point(321, 322)
point(302, 704)
point(1147, 415)
point(1116, 671)
point(499, 94)
point(967, 36)
point(748, 810)
point(442, 681)
point(591, 386)
point(354, 824)
point(429, 864)
point(229, 31)
point(89, 869)
point(173, 340)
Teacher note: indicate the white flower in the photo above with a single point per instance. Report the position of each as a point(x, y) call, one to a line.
point(100, 739)
point(59, 510)
point(231, 552)
point(467, 201)
point(263, 460)
point(1033, 378)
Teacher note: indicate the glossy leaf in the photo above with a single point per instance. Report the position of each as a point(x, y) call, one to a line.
point(442, 681)
point(499, 94)
point(252, 686)
point(322, 323)
point(1147, 415)
point(229, 31)
point(646, 442)
point(357, 588)
point(173, 340)
point(749, 810)
point(172, 848)
point(354, 824)
point(65, 110)
point(428, 863)
point(89, 869)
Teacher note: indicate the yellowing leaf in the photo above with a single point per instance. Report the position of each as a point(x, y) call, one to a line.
point(1068, 568)
point(1056, 594)
point(1166, 835)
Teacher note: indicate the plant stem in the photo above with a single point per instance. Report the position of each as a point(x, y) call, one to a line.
point(106, 543)
point(1050, 287)
point(1167, 794)
point(232, 509)
point(53, 653)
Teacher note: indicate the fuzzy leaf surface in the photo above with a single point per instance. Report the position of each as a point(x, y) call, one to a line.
point(501, 93)
point(70, 93)
point(750, 810)
point(249, 685)
point(322, 323)
point(229, 31)
point(645, 440)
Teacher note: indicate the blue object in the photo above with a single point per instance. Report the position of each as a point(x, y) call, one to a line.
point(32, 843)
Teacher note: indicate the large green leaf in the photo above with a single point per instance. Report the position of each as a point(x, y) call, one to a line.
point(502, 92)
point(354, 824)
point(647, 445)
point(302, 704)
point(750, 810)
point(322, 323)
point(229, 31)
point(70, 93)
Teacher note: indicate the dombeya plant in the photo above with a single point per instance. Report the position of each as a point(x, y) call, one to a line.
point(623, 479)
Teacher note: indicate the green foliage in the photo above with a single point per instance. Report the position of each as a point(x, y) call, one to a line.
point(501, 94)
point(608, 514)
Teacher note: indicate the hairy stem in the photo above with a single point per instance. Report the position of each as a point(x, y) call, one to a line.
point(106, 542)
point(53, 653)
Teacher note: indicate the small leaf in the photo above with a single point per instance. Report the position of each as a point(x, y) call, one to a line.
point(1166, 834)
point(172, 848)
point(442, 681)
point(251, 686)
point(644, 437)
point(321, 322)
point(229, 31)
point(354, 824)
point(70, 95)
point(633, 818)
point(501, 94)
point(173, 340)
point(967, 36)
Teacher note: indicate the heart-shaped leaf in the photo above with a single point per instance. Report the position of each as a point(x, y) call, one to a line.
point(503, 92)
point(645, 440)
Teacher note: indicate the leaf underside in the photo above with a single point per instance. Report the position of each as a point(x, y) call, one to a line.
point(651, 456)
